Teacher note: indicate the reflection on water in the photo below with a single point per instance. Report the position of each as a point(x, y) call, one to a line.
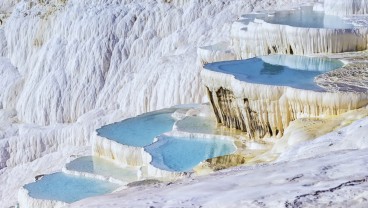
point(303, 17)
point(280, 70)
point(269, 69)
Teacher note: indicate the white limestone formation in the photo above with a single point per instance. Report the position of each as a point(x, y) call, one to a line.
point(94, 176)
point(300, 31)
point(68, 67)
point(218, 52)
point(266, 110)
point(67, 60)
point(73, 57)
point(352, 78)
point(69, 70)
point(345, 7)
point(258, 37)
point(120, 153)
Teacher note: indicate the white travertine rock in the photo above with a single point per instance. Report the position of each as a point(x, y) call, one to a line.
point(265, 110)
point(83, 55)
point(94, 176)
point(75, 56)
point(120, 153)
point(352, 78)
point(54, 43)
point(39, 141)
point(218, 52)
point(345, 7)
point(262, 38)
point(263, 33)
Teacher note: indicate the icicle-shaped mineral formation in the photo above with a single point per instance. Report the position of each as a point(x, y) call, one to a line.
point(263, 107)
point(301, 31)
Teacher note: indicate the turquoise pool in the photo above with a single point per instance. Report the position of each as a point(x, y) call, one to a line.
point(303, 17)
point(68, 188)
point(281, 70)
point(180, 154)
point(139, 131)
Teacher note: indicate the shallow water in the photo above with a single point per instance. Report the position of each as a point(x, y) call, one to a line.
point(197, 124)
point(281, 70)
point(68, 188)
point(304, 17)
point(183, 154)
point(139, 131)
point(99, 166)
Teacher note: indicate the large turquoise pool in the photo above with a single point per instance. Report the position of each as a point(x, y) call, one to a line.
point(281, 70)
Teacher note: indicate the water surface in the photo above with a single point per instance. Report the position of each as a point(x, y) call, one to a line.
point(183, 154)
point(68, 188)
point(281, 70)
point(99, 166)
point(303, 17)
point(139, 131)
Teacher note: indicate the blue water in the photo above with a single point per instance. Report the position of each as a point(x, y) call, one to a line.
point(197, 124)
point(304, 17)
point(183, 154)
point(67, 188)
point(281, 70)
point(102, 167)
point(141, 130)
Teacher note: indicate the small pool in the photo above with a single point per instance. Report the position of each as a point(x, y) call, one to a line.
point(141, 130)
point(183, 154)
point(303, 17)
point(281, 70)
point(99, 166)
point(68, 188)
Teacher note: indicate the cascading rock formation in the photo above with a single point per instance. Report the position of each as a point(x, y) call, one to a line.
point(263, 109)
point(72, 69)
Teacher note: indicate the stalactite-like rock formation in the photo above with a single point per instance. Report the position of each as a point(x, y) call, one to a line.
point(300, 31)
point(262, 38)
point(265, 110)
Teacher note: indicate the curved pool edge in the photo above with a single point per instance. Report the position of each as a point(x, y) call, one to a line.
point(25, 200)
point(179, 134)
point(94, 176)
point(282, 104)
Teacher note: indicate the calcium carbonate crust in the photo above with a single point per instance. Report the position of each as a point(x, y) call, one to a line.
point(266, 110)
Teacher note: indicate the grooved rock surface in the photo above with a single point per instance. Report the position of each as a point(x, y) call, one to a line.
point(264, 110)
point(352, 78)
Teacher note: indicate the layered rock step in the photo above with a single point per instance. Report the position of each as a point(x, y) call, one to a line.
point(164, 145)
point(151, 141)
point(299, 31)
point(99, 168)
point(262, 95)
